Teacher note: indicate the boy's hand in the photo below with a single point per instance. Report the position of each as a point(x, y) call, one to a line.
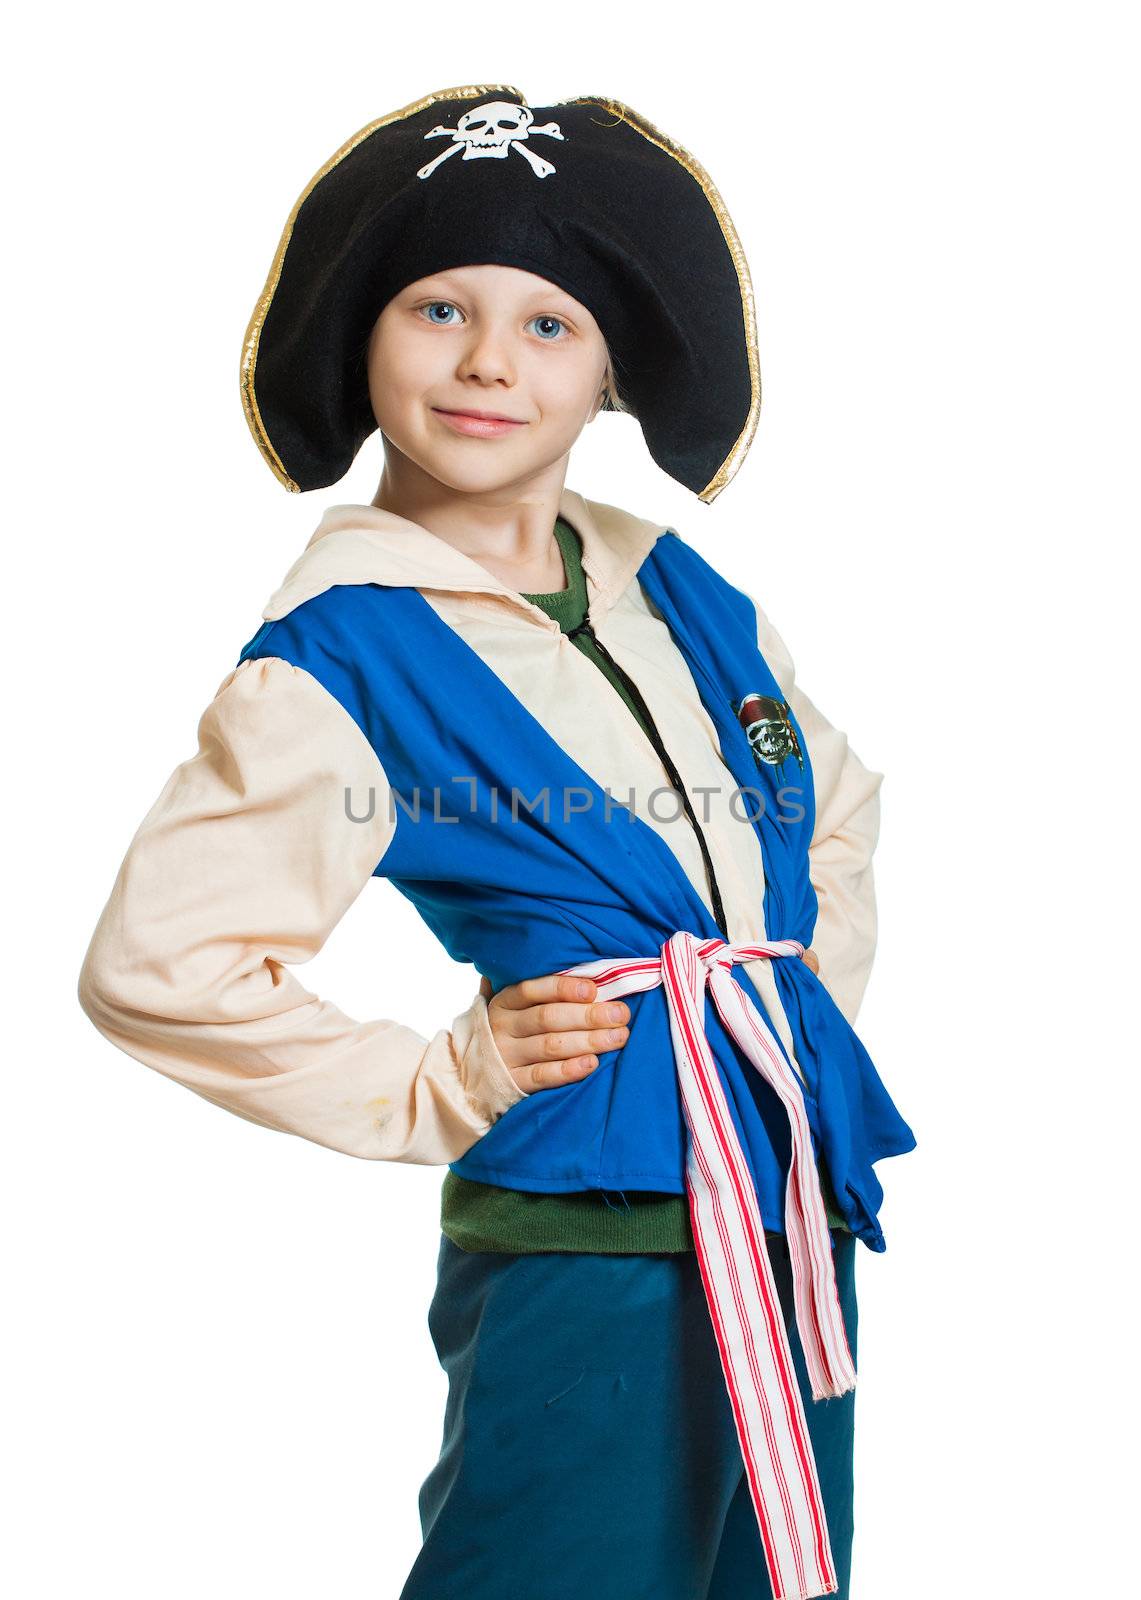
point(549, 1029)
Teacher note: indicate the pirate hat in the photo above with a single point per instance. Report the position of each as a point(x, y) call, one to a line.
point(585, 193)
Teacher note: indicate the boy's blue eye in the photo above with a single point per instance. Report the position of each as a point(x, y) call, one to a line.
point(447, 304)
point(547, 320)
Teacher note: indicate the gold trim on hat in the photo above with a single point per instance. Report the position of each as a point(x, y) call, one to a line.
point(640, 124)
point(728, 468)
point(257, 321)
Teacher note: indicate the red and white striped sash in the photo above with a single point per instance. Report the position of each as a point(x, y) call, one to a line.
point(729, 1235)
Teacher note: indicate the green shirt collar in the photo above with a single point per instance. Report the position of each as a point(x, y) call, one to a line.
point(568, 607)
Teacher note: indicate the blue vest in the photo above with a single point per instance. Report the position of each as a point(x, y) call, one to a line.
point(522, 891)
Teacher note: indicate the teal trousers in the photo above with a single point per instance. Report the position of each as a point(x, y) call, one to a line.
point(589, 1450)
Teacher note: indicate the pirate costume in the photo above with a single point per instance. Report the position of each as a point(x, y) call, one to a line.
point(704, 1311)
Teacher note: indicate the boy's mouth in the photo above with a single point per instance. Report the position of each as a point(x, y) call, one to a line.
point(478, 424)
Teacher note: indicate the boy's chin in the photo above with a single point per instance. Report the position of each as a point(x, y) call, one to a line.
point(486, 482)
point(480, 476)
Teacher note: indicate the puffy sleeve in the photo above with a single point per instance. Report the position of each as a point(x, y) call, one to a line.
point(242, 867)
point(843, 840)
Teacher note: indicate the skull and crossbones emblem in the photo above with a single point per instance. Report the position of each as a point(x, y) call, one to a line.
point(493, 129)
point(769, 727)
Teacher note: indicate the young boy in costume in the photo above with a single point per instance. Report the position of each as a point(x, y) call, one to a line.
point(659, 1121)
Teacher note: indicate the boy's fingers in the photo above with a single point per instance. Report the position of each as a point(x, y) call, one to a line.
point(549, 1074)
point(546, 1016)
point(557, 1046)
point(556, 1017)
point(551, 986)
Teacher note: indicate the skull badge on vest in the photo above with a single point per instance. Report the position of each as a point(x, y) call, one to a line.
point(769, 728)
point(493, 129)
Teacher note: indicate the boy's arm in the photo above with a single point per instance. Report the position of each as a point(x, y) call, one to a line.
point(843, 840)
point(247, 861)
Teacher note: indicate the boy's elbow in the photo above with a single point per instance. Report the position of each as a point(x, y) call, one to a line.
point(104, 988)
point(94, 988)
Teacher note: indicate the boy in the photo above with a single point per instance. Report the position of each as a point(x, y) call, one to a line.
point(480, 633)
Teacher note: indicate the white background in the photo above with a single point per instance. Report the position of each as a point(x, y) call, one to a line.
point(219, 1377)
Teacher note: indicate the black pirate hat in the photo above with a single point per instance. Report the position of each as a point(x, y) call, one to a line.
point(585, 193)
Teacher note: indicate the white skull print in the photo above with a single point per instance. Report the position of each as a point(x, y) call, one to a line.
point(493, 129)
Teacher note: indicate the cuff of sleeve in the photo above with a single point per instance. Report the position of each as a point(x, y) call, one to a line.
point(490, 1088)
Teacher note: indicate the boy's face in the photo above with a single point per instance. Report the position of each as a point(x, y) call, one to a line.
point(492, 339)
